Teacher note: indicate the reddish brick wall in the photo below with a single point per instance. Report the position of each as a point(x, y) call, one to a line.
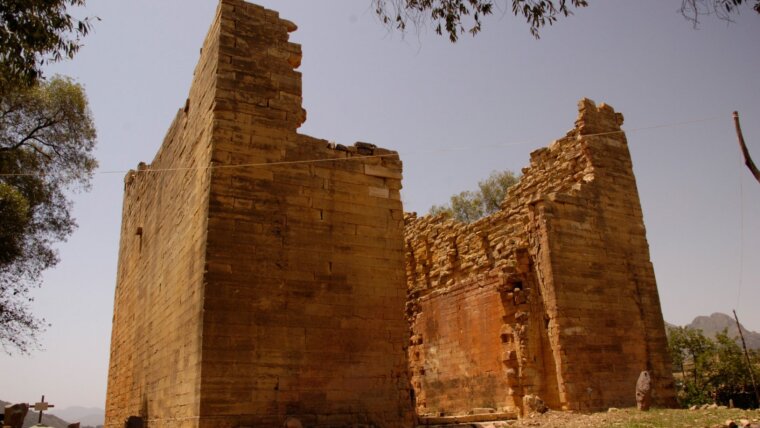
point(573, 314)
point(296, 302)
point(464, 370)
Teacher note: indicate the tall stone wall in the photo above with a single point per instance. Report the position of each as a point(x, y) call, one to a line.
point(554, 296)
point(155, 359)
point(268, 281)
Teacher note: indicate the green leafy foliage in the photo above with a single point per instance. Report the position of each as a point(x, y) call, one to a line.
point(692, 354)
point(469, 206)
point(47, 137)
point(451, 16)
point(730, 376)
point(710, 371)
point(455, 17)
point(46, 141)
point(36, 32)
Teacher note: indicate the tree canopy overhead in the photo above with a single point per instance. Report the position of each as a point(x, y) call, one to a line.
point(723, 9)
point(36, 32)
point(456, 17)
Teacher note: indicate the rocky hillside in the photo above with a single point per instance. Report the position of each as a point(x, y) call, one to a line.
point(715, 324)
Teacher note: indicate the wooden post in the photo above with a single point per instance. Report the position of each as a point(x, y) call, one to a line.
point(41, 407)
point(746, 355)
point(747, 159)
point(39, 421)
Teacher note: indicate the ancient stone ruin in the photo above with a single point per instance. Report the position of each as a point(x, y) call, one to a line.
point(554, 296)
point(262, 276)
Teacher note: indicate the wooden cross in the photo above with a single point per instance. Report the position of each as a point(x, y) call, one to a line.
point(41, 407)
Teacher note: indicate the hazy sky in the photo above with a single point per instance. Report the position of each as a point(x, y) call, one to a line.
point(455, 113)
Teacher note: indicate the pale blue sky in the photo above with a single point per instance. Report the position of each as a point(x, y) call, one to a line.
point(455, 113)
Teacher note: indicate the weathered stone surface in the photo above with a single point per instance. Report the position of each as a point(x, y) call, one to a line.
point(259, 292)
point(552, 296)
point(644, 391)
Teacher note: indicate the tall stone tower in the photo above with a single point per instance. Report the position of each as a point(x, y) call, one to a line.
point(260, 271)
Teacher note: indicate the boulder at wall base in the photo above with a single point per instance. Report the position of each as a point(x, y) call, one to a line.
point(534, 404)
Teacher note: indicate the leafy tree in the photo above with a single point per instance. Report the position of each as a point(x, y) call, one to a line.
point(47, 137)
point(469, 206)
point(46, 142)
point(455, 17)
point(730, 377)
point(710, 370)
point(465, 207)
point(692, 352)
point(34, 33)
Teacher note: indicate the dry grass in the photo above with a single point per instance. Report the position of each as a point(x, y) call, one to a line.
point(632, 418)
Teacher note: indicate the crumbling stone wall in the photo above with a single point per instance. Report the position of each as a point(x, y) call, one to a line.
point(554, 296)
point(247, 292)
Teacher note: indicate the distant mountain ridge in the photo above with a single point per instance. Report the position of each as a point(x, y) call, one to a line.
point(717, 322)
point(86, 416)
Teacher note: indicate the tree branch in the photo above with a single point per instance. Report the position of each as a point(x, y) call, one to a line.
point(12, 108)
point(29, 136)
point(39, 151)
point(747, 158)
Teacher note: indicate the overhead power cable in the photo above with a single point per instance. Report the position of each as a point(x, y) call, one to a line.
point(362, 157)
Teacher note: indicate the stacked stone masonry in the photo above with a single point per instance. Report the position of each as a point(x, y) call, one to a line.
point(249, 294)
point(553, 296)
point(262, 272)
